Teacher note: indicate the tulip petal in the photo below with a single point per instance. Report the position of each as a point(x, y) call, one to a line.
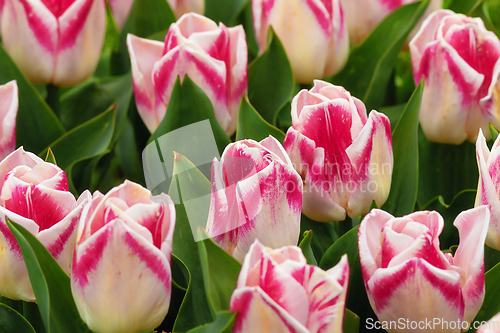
point(144, 54)
point(472, 226)
point(18, 157)
point(84, 21)
point(115, 263)
point(8, 113)
point(30, 36)
point(181, 7)
point(120, 10)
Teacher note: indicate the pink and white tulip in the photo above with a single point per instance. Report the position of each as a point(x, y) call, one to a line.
point(121, 274)
point(9, 104)
point(344, 159)
point(406, 274)
point(460, 61)
point(35, 195)
point(181, 7)
point(277, 291)
point(313, 33)
point(56, 42)
point(214, 57)
point(364, 15)
point(256, 194)
point(489, 185)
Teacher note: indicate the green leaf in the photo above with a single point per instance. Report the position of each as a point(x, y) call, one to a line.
point(246, 20)
point(491, 9)
point(404, 186)
point(50, 157)
point(36, 124)
point(222, 324)
point(270, 80)
point(491, 258)
point(394, 113)
point(50, 284)
point(189, 104)
point(220, 272)
point(357, 300)
point(490, 306)
point(145, 19)
point(493, 131)
point(305, 245)
point(465, 6)
point(85, 141)
point(128, 155)
point(325, 234)
point(370, 65)
point(251, 125)
point(225, 11)
point(192, 184)
point(12, 321)
point(351, 322)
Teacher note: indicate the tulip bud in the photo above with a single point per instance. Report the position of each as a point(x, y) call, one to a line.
point(214, 57)
point(407, 276)
point(277, 291)
point(460, 61)
point(181, 7)
point(8, 114)
point(313, 33)
point(34, 194)
point(121, 275)
point(56, 42)
point(344, 159)
point(256, 194)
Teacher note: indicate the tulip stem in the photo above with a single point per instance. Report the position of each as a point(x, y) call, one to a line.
point(32, 314)
point(53, 98)
point(345, 226)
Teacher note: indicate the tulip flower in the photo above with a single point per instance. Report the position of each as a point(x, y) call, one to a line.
point(364, 15)
point(56, 42)
point(407, 276)
point(181, 7)
point(488, 185)
point(344, 159)
point(277, 291)
point(34, 194)
point(214, 57)
point(313, 33)
point(121, 274)
point(8, 114)
point(256, 194)
point(459, 60)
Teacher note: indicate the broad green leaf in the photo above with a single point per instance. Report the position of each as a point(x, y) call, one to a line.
point(83, 142)
point(36, 124)
point(491, 10)
point(145, 19)
point(493, 131)
point(222, 324)
point(50, 284)
point(491, 306)
point(305, 245)
point(189, 104)
point(225, 11)
point(351, 322)
point(270, 80)
point(325, 234)
point(465, 6)
point(251, 125)
point(285, 117)
point(192, 184)
point(445, 170)
point(220, 272)
point(127, 152)
point(12, 321)
point(357, 300)
point(491, 257)
point(404, 186)
point(370, 65)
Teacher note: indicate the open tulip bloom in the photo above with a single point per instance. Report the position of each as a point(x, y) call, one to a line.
point(8, 113)
point(56, 42)
point(406, 274)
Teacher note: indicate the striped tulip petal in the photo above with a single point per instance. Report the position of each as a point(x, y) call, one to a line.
point(8, 113)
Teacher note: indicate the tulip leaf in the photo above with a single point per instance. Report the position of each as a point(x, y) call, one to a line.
point(189, 104)
point(305, 245)
point(351, 322)
point(222, 324)
point(251, 125)
point(270, 80)
point(145, 19)
point(50, 283)
point(13, 321)
point(225, 11)
point(36, 124)
point(90, 139)
point(491, 10)
point(490, 306)
point(371, 64)
point(357, 300)
point(190, 183)
point(325, 234)
point(491, 257)
point(127, 153)
point(220, 272)
point(404, 186)
point(50, 157)
point(493, 132)
point(465, 6)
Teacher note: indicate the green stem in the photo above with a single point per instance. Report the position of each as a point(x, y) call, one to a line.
point(53, 98)
point(32, 314)
point(344, 226)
